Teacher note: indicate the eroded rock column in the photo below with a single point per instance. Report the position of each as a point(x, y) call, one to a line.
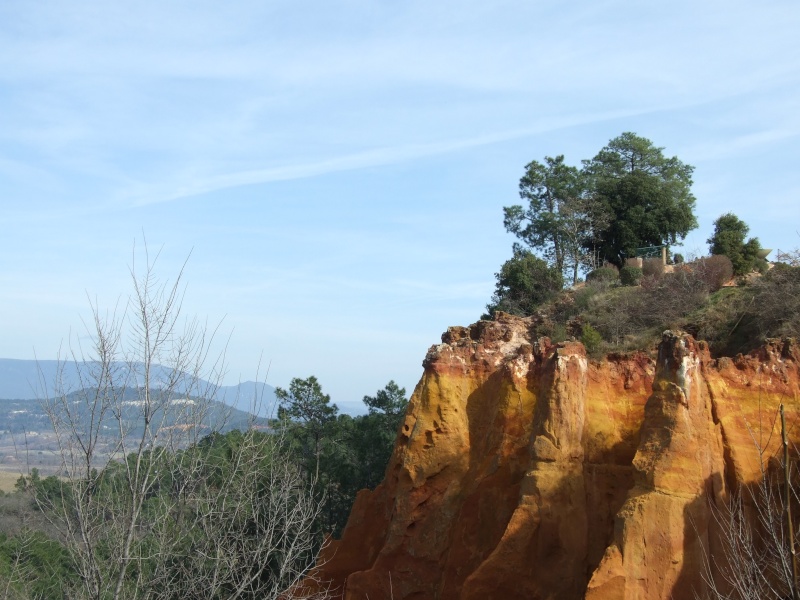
point(662, 528)
point(543, 551)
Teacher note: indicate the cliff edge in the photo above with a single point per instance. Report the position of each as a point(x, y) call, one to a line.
point(526, 470)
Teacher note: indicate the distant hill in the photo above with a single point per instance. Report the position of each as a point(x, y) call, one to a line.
point(31, 379)
point(19, 416)
point(254, 397)
point(28, 379)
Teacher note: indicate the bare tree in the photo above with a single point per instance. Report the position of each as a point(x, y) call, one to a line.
point(790, 257)
point(778, 300)
point(756, 548)
point(151, 503)
point(246, 521)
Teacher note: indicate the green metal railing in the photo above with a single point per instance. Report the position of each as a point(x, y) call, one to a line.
point(649, 252)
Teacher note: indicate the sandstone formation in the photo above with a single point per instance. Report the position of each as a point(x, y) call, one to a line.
point(526, 470)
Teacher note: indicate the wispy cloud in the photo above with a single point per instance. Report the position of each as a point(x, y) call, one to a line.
point(116, 117)
point(739, 145)
point(169, 191)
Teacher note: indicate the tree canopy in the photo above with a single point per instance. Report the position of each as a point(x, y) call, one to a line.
point(343, 454)
point(729, 240)
point(390, 401)
point(561, 218)
point(360, 457)
point(524, 282)
point(311, 412)
point(647, 195)
point(630, 195)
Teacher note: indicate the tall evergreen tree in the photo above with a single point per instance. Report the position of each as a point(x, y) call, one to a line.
point(647, 195)
point(311, 413)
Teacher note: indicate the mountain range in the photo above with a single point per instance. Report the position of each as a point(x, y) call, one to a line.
point(34, 379)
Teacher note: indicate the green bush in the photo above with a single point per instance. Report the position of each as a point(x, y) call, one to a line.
point(583, 298)
point(592, 339)
point(35, 566)
point(729, 240)
point(605, 274)
point(557, 332)
point(630, 275)
point(524, 283)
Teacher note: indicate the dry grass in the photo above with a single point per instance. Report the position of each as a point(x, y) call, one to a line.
point(7, 480)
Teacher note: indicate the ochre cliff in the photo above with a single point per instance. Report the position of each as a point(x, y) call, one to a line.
point(526, 470)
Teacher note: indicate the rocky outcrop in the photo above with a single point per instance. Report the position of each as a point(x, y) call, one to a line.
point(526, 470)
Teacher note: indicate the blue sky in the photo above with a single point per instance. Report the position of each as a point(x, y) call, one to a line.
point(338, 169)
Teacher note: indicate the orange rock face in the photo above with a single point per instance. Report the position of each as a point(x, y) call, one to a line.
point(525, 470)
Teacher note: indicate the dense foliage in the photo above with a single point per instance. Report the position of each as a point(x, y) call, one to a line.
point(340, 453)
point(561, 218)
point(524, 282)
point(729, 240)
point(33, 565)
point(606, 274)
point(633, 200)
point(310, 416)
point(647, 195)
point(629, 275)
point(628, 196)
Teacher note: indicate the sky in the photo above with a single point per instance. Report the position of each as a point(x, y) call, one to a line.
point(335, 171)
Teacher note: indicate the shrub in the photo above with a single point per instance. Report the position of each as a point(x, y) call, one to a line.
point(583, 297)
point(592, 339)
point(726, 322)
point(667, 300)
point(630, 275)
point(714, 271)
point(777, 302)
point(613, 314)
point(557, 332)
point(605, 274)
point(653, 267)
point(678, 259)
point(524, 283)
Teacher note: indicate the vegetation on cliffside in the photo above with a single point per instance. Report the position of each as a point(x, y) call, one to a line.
point(628, 317)
point(631, 200)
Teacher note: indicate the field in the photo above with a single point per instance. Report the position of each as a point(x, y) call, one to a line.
point(7, 481)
